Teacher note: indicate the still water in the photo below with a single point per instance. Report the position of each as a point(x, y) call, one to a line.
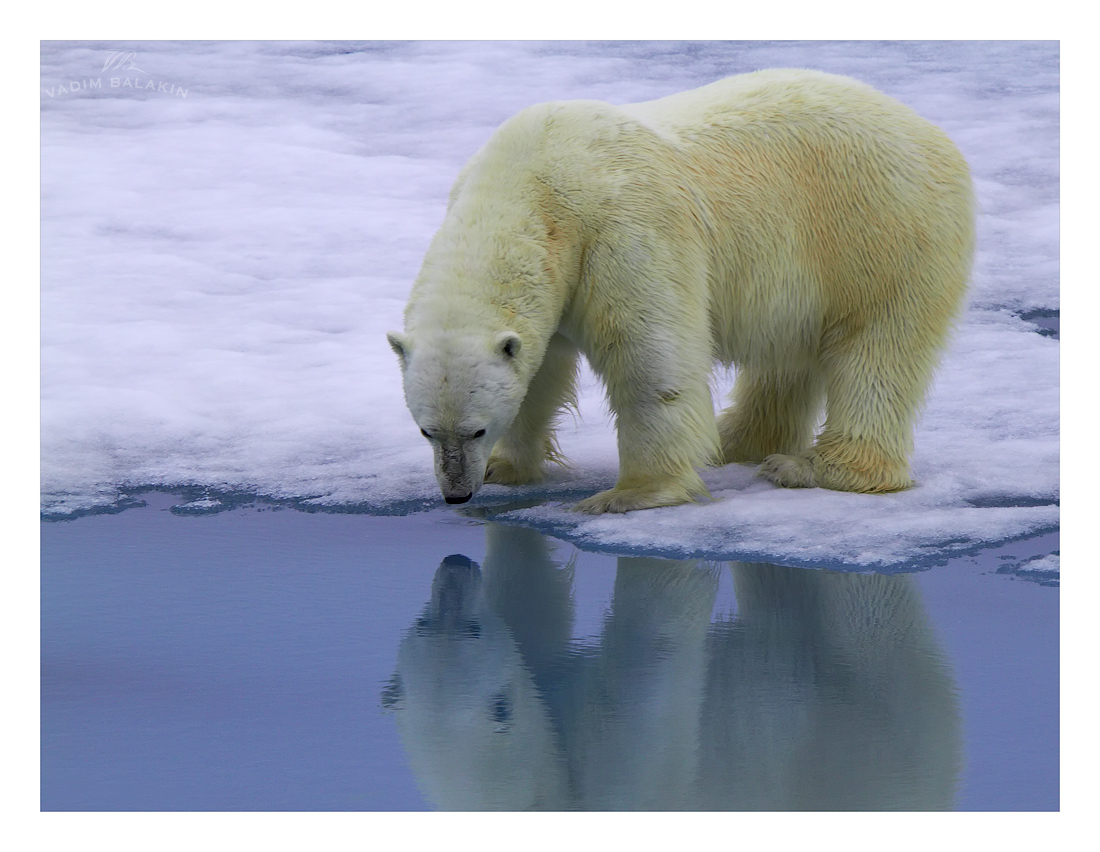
point(264, 659)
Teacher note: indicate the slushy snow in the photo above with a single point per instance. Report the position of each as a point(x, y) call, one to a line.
point(229, 229)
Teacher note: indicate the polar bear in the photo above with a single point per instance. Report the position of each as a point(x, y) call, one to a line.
point(801, 226)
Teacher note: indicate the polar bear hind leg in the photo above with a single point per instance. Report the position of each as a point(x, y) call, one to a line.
point(875, 382)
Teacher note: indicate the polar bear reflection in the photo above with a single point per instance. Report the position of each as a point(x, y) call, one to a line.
point(825, 692)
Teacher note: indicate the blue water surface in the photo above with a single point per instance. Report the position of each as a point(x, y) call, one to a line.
point(272, 659)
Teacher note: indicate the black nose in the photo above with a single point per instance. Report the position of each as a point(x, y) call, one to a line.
point(461, 498)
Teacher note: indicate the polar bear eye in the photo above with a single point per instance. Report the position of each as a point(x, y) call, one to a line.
point(479, 433)
point(425, 434)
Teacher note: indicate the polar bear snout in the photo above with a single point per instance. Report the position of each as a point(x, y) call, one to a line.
point(459, 469)
point(458, 489)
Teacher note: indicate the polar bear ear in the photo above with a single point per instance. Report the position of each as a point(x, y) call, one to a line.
point(399, 343)
point(508, 344)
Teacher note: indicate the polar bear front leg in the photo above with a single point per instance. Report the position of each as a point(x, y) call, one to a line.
point(666, 429)
point(520, 456)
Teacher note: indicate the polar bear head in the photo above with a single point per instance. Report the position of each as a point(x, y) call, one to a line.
point(463, 390)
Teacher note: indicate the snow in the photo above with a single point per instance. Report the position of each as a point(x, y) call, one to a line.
point(230, 228)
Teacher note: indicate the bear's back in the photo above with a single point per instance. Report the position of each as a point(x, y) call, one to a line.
point(779, 96)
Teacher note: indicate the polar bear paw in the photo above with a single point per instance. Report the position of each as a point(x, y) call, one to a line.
point(788, 471)
point(872, 472)
point(501, 471)
point(641, 497)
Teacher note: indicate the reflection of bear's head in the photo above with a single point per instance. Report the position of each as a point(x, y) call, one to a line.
point(466, 707)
